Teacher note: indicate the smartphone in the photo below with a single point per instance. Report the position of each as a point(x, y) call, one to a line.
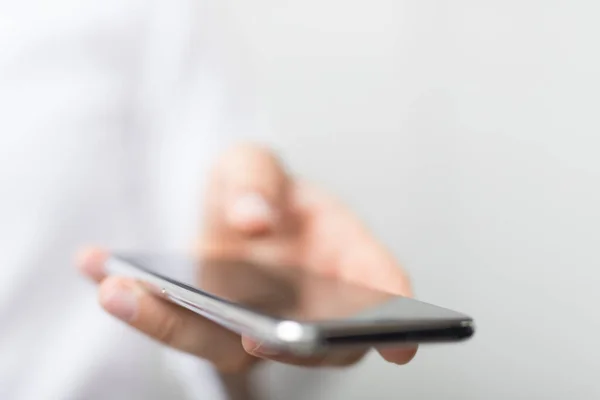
point(291, 310)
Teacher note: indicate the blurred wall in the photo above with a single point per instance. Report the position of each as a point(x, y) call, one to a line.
point(467, 133)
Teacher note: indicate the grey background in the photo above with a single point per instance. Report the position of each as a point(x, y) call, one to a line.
point(467, 134)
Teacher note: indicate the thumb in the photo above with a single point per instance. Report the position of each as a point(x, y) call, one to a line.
point(247, 192)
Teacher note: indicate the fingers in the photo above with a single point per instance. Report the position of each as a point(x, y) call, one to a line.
point(90, 261)
point(333, 358)
point(188, 332)
point(247, 191)
point(166, 322)
point(400, 356)
point(341, 246)
point(173, 325)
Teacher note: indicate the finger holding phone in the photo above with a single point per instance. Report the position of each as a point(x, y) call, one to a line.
point(257, 212)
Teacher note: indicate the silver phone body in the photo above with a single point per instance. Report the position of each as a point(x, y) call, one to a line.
point(387, 320)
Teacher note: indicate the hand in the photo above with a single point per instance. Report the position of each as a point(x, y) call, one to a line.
point(255, 211)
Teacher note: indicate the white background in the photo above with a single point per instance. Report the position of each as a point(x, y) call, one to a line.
point(467, 134)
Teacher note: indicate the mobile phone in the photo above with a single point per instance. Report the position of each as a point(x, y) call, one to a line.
point(291, 310)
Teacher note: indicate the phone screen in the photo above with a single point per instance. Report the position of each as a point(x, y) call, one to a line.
point(287, 292)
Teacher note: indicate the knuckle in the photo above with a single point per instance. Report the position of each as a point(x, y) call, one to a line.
point(234, 365)
point(168, 328)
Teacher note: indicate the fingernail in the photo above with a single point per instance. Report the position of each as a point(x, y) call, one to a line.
point(251, 208)
point(120, 301)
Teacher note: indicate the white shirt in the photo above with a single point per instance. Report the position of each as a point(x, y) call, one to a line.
point(110, 112)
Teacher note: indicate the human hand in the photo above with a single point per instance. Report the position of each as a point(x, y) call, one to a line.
point(256, 212)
